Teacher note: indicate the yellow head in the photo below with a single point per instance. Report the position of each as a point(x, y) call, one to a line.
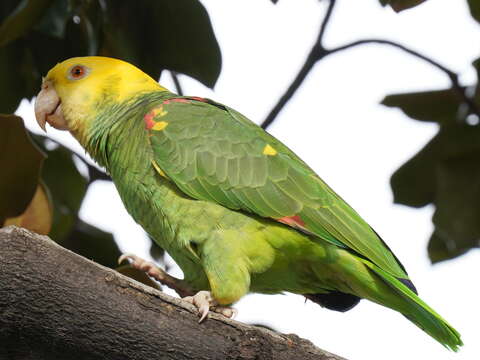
point(73, 89)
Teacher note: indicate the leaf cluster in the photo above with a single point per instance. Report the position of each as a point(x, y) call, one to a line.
point(41, 187)
point(446, 171)
point(152, 34)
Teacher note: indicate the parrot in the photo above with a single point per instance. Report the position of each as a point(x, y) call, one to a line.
point(237, 210)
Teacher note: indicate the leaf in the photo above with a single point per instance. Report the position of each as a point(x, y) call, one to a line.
point(174, 35)
point(474, 6)
point(67, 187)
point(446, 172)
point(457, 215)
point(27, 13)
point(54, 22)
point(413, 183)
point(400, 5)
point(440, 106)
point(138, 275)
point(20, 163)
point(12, 87)
point(38, 215)
point(92, 243)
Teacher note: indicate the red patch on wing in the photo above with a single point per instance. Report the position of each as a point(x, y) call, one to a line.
point(148, 118)
point(295, 221)
point(177, 100)
point(198, 99)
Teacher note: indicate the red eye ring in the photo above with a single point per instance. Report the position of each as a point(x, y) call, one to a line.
point(77, 72)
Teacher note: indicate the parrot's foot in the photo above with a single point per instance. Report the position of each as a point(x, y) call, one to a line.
point(205, 302)
point(158, 274)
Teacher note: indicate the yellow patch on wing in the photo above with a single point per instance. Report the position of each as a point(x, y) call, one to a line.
point(160, 125)
point(270, 151)
point(160, 171)
point(159, 111)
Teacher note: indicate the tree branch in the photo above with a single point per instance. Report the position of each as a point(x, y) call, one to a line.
point(56, 304)
point(319, 52)
point(176, 82)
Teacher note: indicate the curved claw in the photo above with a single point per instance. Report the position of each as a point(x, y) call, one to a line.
point(129, 257)
point(204, 301)
point(228, 312)
point(203, 312)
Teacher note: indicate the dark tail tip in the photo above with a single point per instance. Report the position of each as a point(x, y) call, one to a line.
point(408, 284)
point(334, 300)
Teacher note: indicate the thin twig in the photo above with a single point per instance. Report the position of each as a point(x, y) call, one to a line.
point(318, 52)
point(176, 82)
point(325, 21)
point(473, 108)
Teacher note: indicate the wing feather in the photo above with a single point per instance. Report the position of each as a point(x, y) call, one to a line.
point(213, 153)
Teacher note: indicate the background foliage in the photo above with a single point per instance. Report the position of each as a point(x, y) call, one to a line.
point(41, 187)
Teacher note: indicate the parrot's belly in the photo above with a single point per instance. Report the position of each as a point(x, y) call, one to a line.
point(204, 238)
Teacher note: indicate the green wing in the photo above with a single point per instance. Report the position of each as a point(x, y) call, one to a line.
point(214, 153)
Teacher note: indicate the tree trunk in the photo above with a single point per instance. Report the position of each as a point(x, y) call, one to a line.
point(55, 304)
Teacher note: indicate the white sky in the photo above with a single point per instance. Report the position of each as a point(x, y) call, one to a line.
point(335, 123)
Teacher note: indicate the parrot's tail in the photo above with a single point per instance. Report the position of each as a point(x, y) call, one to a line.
point(418, 312)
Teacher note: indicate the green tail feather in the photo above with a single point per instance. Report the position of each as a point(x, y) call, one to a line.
point(420, 313)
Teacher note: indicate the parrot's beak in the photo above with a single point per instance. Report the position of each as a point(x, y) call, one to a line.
point(48, 108)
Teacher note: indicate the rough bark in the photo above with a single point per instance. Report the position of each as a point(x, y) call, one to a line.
point(55, 304)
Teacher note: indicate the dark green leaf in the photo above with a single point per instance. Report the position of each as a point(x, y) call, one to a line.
point(38, 215)
point(438, 250)
point(400, 5)
point(67, 187)
point(93, 243)
point(11, 86)
point(457, 215)
point(474, 9)
point(47, 50)
point(20, 163)
point(157, 35)
point(446, 172)
point(94, 173)
point(7, 7)
point(54, 22)
point(440, 106)
point(413, 183)
point(27, 13)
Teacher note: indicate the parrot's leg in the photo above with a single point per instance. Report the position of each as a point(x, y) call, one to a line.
point(205, 302)
point(158, 274)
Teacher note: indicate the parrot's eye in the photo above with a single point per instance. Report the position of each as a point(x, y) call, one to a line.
point(77, 72)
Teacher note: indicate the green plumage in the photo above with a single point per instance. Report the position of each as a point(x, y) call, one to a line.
point(240, 212)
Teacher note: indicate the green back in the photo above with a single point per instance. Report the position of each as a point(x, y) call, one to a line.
point(214, 153)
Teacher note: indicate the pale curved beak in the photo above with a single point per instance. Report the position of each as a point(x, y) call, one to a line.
point(48, 108)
